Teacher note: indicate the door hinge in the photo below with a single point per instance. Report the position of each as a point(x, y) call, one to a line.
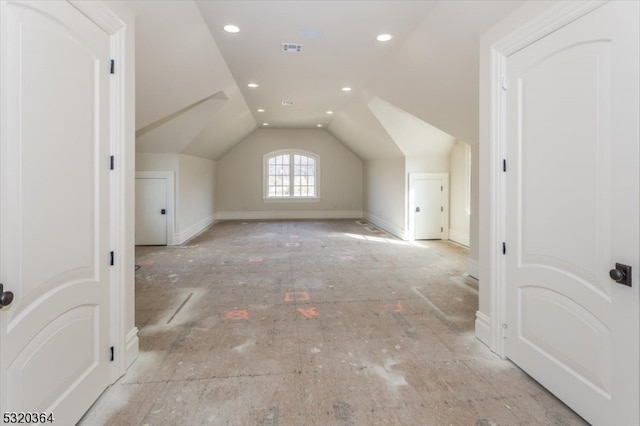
point(112, 163)
point(504, 85)
point(504, 331)
point(441, 229)
point(441, 188)
point(504, 165)
point(504, 248)
point(441, 208)
point(112, 66)
point(112, 353)
point(112, 258)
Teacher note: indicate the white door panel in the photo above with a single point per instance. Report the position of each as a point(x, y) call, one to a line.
point(428, 213)
point(572, 213)
point(54, 191)
point(151, 201)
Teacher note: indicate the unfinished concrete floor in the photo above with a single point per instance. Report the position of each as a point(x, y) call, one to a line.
point(314, 323)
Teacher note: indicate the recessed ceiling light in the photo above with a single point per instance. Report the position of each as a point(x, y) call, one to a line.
point(384, 37)
point(318, 125)
point(260, 109)
point(253, 85)
point(329, 112)
point(346, 89)
point(231, 29)
point(265, 124)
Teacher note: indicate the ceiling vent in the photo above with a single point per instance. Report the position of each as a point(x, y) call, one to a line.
point(291, 48)
point(287, 103)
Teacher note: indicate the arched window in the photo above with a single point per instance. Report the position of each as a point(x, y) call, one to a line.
point(291, 174)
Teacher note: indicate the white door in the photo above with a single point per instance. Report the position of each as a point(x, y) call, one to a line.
point(151, 211)
point(429, 208)
point(54, 210)
point(573, 191)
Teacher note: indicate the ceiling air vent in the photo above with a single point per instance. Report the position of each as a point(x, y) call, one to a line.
point(291, 48)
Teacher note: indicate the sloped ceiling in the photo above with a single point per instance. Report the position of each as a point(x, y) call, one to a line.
point(192, 75)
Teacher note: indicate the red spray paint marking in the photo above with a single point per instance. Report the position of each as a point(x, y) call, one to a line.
point(309, 312)
point(296, 296)
point(238, 314)
point(293, 244)
point(255, 259)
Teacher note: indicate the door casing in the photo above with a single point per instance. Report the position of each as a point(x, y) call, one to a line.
point(170, 179)
point(444, 178)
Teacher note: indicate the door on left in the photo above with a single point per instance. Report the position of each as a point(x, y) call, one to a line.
point(54, 209)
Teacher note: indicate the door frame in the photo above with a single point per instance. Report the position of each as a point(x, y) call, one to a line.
point(171, 204)
point(490, 325)
point(444, 178)
point(118, 23)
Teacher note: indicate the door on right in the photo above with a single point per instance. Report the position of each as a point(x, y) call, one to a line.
point(572, 213)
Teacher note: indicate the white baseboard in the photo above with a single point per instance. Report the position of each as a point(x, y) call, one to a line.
point(483, 328)
point(459, 237)
point(473, 268)
point(131, 348)
point(386, 226)
point(193, 230)
point(289, 214)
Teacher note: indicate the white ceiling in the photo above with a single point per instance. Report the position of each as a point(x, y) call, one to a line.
point(190, 71)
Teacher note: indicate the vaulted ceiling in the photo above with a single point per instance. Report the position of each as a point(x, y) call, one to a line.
point(412, 95)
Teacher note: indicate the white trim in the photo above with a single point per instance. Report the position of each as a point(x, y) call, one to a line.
point(289, 214)
point(444, 179)
point(121, 181)
point(171, 201)
point(473, 268)
point(459, 237)
point(131, 346)
point(195, 229)
point(403, 234)
point(291, 152)
point(497, 53)
point(483, 328)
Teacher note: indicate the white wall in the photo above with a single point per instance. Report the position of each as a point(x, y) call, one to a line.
point(385, 190)
point(427, 164)
point(239, 177)
point(459, 193)
point(195, 198)
point(194, 192)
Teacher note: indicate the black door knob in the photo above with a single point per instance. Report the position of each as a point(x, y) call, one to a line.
point(6, 297)
point(622, 274)
point(617, 275)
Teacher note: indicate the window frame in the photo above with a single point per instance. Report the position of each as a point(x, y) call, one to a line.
point(291, 198)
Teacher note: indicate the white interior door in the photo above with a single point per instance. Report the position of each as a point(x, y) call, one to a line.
point(572, 213)
point(151, 211)
point(54, 214)
point(429, 209)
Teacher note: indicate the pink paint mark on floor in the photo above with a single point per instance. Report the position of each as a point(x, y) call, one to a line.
point(293, 244)
point(347, 258)
point(398, 307)
point(255, 259)
point(293, 236)
point(237, 314)
point(308, 312)
point(296, 296)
